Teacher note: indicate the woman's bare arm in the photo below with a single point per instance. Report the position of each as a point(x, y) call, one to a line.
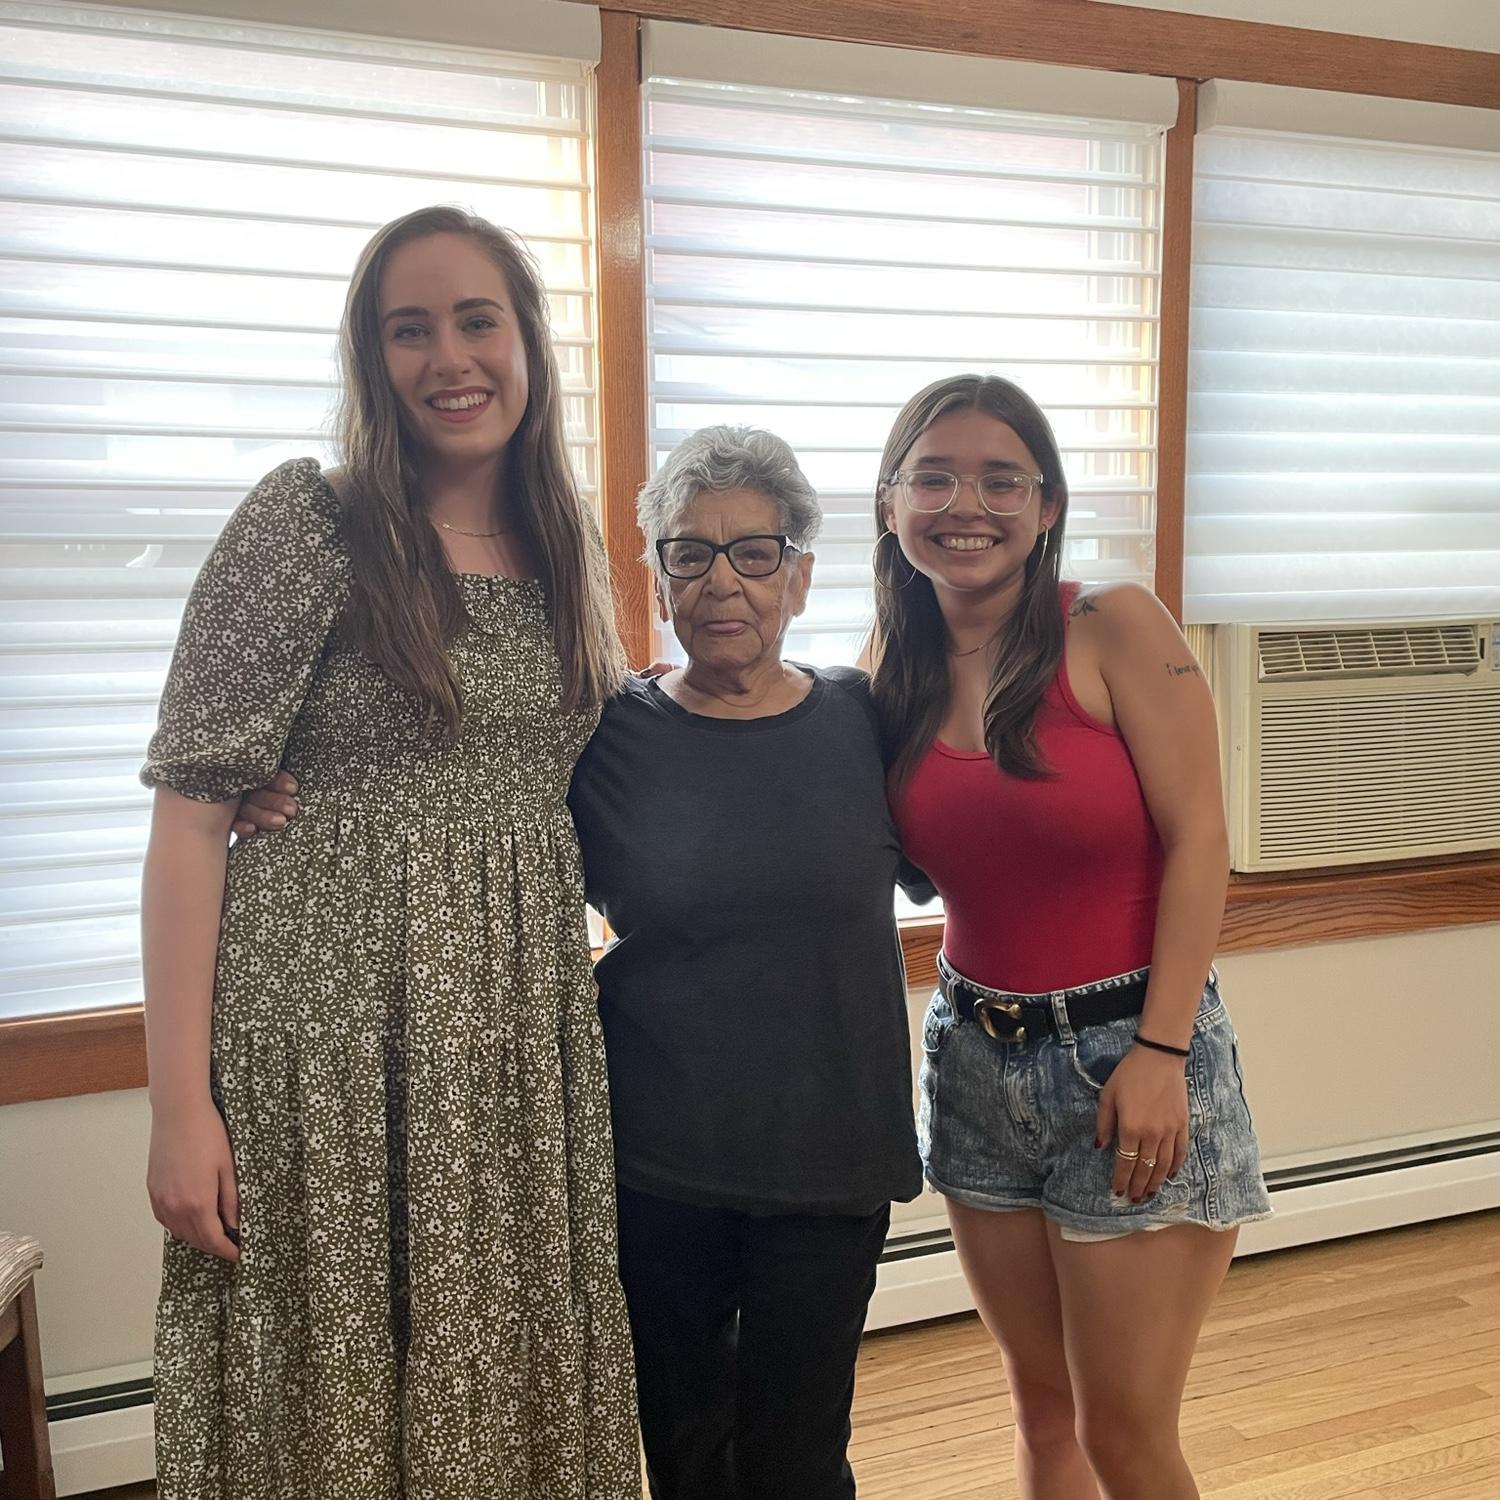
point(191, 1172)
point(1165, 712)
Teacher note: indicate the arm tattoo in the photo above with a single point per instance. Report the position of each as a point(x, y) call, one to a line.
point(1188, 669)
point(1083, 607)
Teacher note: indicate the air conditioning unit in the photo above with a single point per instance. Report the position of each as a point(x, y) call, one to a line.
point(1350, 743)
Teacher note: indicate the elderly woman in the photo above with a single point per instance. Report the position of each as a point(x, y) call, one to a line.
point(735, 834)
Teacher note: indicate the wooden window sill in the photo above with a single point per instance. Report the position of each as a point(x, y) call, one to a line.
point(97, 1052)
point(85, 1052)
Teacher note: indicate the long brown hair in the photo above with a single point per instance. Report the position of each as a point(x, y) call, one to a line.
point(910, 644)
point(405, 607)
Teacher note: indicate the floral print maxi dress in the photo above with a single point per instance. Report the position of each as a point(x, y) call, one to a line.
point(407, 1055)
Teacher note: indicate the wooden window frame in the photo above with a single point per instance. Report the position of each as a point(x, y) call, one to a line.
point(56, 1056)
point(1119, 39)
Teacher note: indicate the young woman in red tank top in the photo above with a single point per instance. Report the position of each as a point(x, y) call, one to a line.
point(1055, 771)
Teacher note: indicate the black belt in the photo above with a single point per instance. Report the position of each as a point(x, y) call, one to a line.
point(1016, 1019)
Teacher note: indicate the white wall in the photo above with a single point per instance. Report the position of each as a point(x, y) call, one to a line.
point(73, 1174)
point(1348, 1044)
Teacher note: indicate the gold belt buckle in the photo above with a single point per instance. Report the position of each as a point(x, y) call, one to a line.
point(983, 1013)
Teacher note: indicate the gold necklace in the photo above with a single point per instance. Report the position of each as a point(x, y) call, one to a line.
point(980, 647)
point(459, 531)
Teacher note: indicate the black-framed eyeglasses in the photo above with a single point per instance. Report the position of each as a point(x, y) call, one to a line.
point(755, 556)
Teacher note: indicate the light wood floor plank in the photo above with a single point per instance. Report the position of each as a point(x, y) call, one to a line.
point(1366, 1369)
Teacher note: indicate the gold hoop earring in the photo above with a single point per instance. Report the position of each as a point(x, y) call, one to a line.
point(880, 583)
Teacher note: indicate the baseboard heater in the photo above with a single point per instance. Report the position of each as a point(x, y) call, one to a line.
point(101, 1433)
point(1343, 1168)
point(93, 1400)
point(101, 1429)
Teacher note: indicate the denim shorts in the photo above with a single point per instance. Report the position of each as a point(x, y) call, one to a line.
point(1005, 1125)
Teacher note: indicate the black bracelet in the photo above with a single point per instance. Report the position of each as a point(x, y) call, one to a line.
point(1145, 1041)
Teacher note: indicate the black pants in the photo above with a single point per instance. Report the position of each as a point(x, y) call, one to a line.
point(746, 1333)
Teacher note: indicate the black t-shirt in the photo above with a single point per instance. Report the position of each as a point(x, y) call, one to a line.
point(753, 1000)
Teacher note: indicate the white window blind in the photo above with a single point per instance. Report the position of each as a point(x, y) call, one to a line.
point(817, 254)
point(181, 204)
point(1344, 426)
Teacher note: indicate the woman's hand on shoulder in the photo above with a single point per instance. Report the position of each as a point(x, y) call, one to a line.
point(267, 808)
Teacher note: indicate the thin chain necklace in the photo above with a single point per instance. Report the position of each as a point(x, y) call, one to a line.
point(988, 641)
point(459, 531)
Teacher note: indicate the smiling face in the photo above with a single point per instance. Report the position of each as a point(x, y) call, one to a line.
point(965, 548)
point(724, 621)
point(453, 348)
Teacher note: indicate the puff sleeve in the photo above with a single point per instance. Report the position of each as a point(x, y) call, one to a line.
point(254, 629)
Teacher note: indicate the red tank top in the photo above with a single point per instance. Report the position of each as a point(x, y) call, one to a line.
point(1046, 884)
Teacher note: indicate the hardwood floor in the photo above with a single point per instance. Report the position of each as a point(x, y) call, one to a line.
point(1366, 1369)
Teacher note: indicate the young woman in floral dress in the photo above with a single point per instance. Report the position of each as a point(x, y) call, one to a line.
point(380, 1138)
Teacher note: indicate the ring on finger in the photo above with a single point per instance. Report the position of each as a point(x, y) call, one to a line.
point(1149, 1161)
point(1127, 1155)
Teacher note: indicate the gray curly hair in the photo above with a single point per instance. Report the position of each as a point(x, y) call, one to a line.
point(728, 458)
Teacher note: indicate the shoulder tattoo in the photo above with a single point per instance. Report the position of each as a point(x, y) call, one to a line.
point(1083, 605)
point(1184, 669)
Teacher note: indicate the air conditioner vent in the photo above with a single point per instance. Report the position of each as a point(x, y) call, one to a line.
point(1328, 655)
point(1365, 775)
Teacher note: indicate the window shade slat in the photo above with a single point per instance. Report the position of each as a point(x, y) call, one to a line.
point(935, 306)
point(669, 148)
point(178, 221)
point(923, 218)
point(687, 247)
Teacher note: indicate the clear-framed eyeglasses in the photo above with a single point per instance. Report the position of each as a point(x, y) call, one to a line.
point(755, 556)
point(1002, 492)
